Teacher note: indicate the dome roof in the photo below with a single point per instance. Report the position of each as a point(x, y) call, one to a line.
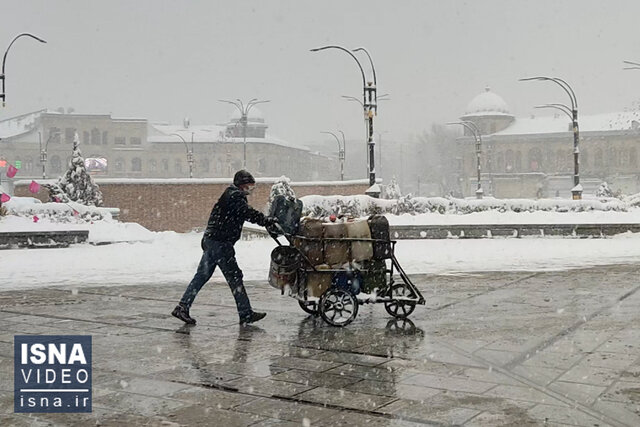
point(487, 104)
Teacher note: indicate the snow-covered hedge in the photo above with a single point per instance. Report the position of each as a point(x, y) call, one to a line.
point(361, 205)
point(70, 212)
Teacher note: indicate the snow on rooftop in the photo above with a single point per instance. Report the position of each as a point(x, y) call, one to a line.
point(162, 133)
point(620, 121)
point(19, 125)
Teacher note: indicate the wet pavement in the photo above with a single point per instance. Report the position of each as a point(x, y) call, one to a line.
point(490, 349)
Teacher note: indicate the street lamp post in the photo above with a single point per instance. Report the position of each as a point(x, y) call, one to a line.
point(43, 151)
point(369, 103)
point(477, 135)
point(576, 191)
point(189, 152)
point(244, 114)
point(4, 60)
point(341, 152)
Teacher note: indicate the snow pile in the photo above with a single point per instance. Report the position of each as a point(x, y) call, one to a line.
point(361, 205)
point(70, 212)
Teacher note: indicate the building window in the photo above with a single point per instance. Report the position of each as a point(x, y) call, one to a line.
point(262, 165)
point(633, 157)
point(165, 165)
point(509, 160)
point(28, 164)
point(153, 165)
point(105, 137)
point(54, 135)
point(119, 140)
point(56, 166)
point(134, 140)
point(136, 164)
point(95, 136)
point(119, 166)
point(535, 160)
point(500, 162)
point(85, 138)
point(204, 165)
point(69, 134)
point(178, 167)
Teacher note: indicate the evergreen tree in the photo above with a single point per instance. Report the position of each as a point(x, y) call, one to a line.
point(392, 191)
point(76, 183)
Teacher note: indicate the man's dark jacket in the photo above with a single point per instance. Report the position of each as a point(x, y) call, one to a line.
point(228, 215)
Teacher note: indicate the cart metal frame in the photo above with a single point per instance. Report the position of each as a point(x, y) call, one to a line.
point(400, 298)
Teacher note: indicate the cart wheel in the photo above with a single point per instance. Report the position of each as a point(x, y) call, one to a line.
point(309, 307)
point(400, 309)
point(338, 307)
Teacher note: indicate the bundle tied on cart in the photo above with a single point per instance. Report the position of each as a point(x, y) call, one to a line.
point(357, 247)
point(328, 263)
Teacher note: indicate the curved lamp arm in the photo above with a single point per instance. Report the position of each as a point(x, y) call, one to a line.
point(564, 85)
point(373, 69)
point(183, 140)
point(565, 109)
point(317, 49)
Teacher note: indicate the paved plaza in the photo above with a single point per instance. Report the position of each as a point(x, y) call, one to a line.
point(489, 349)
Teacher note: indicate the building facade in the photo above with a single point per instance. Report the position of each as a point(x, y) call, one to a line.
point(534, 157)
point(136, 148)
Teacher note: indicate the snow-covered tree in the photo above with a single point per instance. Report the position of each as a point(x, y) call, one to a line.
point(392, 191)
point(76, 183)
point(604, 190)
point(56, 194)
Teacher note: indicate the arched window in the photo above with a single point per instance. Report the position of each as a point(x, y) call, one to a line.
point(28, 164)
point(136, 164)
point(119, 165)
point(633, 157)
point(561, 162)
point(535, 160)
point(518, 164)
point(55, 164)
point(178, 166)
point(165, 165)
point(153, 165)
point(509, 160)
point(500, 162)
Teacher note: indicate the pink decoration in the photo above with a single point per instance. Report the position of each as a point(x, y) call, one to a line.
point(11, 171)
point(4, 197)
point(56, 199)
point(75, 213)
point(34, 187)
point(35, 218)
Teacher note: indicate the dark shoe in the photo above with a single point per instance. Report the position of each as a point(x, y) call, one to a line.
point(255, 316)
point(182, 313)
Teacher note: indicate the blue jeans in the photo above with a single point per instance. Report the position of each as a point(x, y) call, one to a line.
point(223, 255)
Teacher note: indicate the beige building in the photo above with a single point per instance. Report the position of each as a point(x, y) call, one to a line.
point(135, 148)
point(533, 157)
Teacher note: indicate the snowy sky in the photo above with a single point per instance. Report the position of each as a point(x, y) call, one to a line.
point(166, 60)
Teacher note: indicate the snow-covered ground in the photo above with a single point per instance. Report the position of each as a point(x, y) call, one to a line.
point(172, 258)
point(142, 256)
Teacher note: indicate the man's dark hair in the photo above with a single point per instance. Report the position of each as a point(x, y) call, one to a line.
point(243, 177)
